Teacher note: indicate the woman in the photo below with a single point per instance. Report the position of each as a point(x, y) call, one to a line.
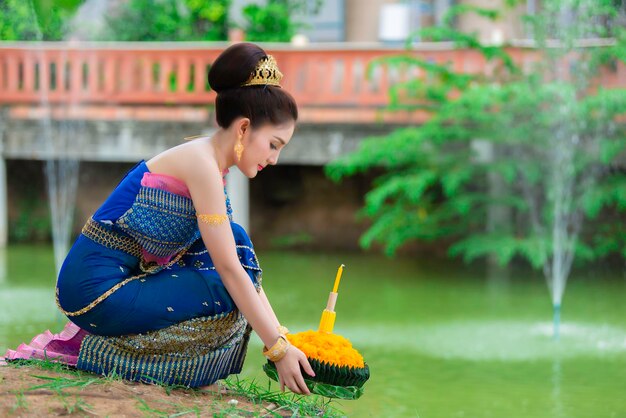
point(162, 284)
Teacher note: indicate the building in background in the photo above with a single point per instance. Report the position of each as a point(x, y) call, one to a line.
point(371, 21)
point(294, 203)
point(392, 21)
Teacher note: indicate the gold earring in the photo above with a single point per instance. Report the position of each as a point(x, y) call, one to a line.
point(239, 148)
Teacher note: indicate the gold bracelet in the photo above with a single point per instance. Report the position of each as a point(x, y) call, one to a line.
point(278, 350)
point(212, 220)
point(282, 330)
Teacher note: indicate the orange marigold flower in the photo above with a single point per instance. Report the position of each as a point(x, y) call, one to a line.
point(330, 348)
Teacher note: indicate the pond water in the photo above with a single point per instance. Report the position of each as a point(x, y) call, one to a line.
point(440, 339)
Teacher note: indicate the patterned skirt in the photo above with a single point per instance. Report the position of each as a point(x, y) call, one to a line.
point(171, 324)
point(192, 353)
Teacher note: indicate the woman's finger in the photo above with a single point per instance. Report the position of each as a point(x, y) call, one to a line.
point(297, 386)
point(292, 386)
point(301, 385)
point(304, 362)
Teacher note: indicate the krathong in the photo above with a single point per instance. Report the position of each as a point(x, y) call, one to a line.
point(340, 371)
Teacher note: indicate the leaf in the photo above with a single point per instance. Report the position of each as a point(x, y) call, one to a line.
point(456, 178)
point(411, 187)
point(610, 149)
point(498, 146)
point(611, 191)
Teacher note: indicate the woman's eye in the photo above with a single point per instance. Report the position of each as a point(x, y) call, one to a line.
point(272, 146)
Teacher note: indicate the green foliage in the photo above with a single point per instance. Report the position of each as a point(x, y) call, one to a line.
point(168, 20)
point(274, 22)
point(317, 387)
point(512, 161)
point(154, 20)
point(296, 405)
point(32, 223)
point(31, 21)
point(268, 23)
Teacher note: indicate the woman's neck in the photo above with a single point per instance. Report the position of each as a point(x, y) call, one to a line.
point(223, 143)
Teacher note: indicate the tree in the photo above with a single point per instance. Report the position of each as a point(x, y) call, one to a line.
point(513, 161)
point(168, 20)
point(274, 22)
point(35, 21)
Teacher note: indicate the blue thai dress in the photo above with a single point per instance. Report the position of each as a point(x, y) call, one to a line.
point(140, 281)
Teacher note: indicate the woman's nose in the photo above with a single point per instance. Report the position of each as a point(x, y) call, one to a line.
point(273, 160)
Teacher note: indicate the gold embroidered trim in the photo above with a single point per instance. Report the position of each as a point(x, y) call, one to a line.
point(192, 353)
point(112, 290)
point(212, 220)
point(103, 236)
point(110, 239)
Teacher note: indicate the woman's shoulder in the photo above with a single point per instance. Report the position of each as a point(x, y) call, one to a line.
point(185, 161)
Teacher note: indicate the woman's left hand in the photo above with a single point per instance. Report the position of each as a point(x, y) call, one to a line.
point(289, 372)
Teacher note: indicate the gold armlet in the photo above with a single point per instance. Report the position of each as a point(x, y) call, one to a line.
point(212, 220)
point(278, 350)
point(282, 330)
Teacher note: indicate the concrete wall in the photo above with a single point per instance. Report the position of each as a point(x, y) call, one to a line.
point(119, 141)
point(291, 205)
point(297, 206)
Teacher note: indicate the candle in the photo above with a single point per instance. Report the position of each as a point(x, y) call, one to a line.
point(327, 322)
point(338, 278)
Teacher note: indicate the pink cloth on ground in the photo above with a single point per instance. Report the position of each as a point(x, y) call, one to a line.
point(62, 347)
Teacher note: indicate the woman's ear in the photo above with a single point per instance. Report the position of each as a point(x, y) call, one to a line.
point(242, 126)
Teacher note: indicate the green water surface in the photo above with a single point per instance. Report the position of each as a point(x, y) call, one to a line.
point(441, 339)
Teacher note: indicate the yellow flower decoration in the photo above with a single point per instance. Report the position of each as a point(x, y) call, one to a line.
point(329, 348)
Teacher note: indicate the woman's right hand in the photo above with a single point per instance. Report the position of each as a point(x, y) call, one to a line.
point(289, 373)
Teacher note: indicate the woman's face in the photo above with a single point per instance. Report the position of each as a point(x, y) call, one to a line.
point(262, 147)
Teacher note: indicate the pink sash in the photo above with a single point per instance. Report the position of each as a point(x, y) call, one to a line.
point(62, 347)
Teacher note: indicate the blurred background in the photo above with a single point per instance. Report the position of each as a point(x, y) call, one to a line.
point(465, 159)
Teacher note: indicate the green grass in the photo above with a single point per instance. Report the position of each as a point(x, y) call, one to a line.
point(74, 404)
point(20, 402)
point(70, 378)
point(298, 405)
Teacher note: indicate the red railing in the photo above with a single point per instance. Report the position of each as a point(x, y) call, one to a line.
point(150, 74)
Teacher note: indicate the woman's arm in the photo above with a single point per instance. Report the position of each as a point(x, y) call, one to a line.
point(268, 307)
point(205, 186)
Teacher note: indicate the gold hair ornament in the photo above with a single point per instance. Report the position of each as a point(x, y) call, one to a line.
point(212, 220)
point(265, 73)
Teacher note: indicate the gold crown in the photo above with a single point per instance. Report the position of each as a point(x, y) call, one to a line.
point(265, 73)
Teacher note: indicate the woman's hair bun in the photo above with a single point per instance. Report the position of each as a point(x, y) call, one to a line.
point(260, 103)
point(234, 66)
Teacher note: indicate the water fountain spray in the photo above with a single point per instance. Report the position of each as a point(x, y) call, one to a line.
point(61, 169)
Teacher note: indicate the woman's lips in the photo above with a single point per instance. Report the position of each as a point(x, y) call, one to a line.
point(260, 167)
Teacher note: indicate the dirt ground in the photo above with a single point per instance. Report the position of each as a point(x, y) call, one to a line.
point(87, 396)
